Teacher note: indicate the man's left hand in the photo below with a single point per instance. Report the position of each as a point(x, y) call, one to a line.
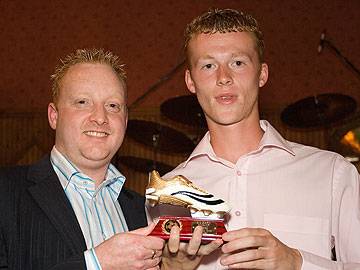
point(256, 248)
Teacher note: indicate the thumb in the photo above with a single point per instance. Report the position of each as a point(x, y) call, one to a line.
point(145, 230)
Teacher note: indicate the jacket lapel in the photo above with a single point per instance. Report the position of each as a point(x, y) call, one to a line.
point(51, 198)
point(133, 207)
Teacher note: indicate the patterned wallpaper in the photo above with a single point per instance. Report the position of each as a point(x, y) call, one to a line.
point(148, 36)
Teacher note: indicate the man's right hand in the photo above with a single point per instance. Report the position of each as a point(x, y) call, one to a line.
point(131, 250)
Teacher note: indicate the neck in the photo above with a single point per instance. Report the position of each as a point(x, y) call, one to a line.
point(97, 174)
point(96, 170)
point(232, 142)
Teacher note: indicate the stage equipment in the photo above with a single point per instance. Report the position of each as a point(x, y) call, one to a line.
point(159, 137)
point(325, 43)
point(185, 110)
point(318, 111)
point(345, 140)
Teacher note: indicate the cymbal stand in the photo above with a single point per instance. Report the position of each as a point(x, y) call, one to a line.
point(324, 42)
point(152, 88)
point(198, 128)
point(155, 142)
point(327, 43)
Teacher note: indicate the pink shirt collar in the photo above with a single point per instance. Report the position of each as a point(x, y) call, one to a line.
point(271, 138)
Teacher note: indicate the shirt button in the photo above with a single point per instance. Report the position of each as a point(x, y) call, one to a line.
point(237, 213)
point(238, 173)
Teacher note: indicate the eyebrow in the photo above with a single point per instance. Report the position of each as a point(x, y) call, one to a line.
point(233, 55)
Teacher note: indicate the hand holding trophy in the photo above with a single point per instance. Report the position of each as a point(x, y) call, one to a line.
point(205, 209)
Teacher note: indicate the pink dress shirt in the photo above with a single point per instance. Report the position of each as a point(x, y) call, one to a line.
point(306, 197)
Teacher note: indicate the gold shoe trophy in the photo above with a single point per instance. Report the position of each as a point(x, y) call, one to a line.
point(206, 210)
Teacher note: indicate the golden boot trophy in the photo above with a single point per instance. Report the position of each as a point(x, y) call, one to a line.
point(205, 209)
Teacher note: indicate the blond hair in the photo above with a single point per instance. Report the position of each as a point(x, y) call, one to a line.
point(85, 56)
point(225, 21)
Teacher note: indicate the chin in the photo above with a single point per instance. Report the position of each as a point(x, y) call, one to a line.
point(97, 155)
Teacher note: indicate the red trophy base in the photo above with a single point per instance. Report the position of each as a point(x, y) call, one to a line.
point(213, 228)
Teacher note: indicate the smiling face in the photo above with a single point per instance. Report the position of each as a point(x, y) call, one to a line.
point(90, 115)
point(225, 73)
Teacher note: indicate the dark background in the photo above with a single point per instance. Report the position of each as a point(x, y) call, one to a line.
point(148, 35)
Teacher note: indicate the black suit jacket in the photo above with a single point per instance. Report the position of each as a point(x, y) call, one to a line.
point(38, 227)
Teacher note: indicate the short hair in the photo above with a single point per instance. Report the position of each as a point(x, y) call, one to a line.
point(225, 21)
point(81, 56)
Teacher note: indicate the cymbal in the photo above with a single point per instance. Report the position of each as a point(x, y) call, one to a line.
point(184, 109)
point(318, 111)
point(144, 165)
point(159, 137)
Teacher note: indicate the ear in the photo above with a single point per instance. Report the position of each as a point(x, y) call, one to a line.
point(126, 117)
point(52, 115)
point(189, 82)
point(264, 74)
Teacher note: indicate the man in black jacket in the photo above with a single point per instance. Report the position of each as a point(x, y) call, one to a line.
point(70, 210)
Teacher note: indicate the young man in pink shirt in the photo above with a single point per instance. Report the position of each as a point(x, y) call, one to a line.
point(293, 206)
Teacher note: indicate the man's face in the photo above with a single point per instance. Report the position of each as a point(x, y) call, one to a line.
point(225, 74)
point(90, 116)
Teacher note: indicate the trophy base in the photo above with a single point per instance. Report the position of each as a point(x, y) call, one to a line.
point(213, 228)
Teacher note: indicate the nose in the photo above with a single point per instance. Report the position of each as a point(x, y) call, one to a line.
point(99, 115)
point(224, 76)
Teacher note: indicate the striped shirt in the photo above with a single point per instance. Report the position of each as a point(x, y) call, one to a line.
point(97, 209)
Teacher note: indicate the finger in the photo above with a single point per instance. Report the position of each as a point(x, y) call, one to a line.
point(174, 240)
point(144, 230)
point(209, 248)
point(258, 264)
point(246, 243)
point(152, 263)
point(243, 256)
point(195, 241)
point(245, 232)
point(153, 242)
point(154, 268)
point(149, 242)
point(153, 253)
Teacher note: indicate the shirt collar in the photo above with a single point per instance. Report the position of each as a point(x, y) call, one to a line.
point(70, 173)
point(271, 138)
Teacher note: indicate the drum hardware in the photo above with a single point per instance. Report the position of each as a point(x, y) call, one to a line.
point(318, 111)
point(159, 137)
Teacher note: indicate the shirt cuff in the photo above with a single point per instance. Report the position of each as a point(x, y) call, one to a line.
point(91, 260)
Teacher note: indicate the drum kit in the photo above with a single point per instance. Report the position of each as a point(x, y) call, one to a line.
point(332, 111)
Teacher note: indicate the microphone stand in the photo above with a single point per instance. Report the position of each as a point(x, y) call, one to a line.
point(341, 56)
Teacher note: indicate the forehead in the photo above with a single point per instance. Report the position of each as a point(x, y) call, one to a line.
point(234, 42)
point(91, 76)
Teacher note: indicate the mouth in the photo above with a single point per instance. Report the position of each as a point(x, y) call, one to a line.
point(97, 134)
point(226, 98)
